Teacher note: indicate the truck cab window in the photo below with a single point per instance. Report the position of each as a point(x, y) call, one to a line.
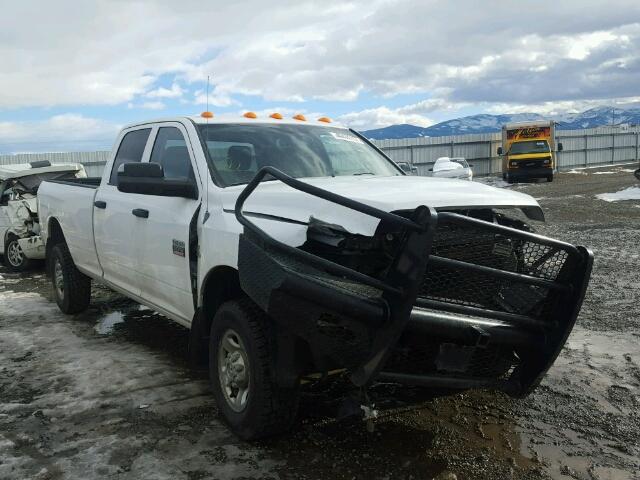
point(170, 151)
point(130, 151)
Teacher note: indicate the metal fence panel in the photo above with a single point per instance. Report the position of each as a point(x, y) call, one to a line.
point(581, 148)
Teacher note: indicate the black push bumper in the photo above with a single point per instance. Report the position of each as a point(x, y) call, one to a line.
point(464, 303)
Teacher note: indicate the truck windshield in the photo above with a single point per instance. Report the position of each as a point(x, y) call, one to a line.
point(534, 146)
point(238, 151)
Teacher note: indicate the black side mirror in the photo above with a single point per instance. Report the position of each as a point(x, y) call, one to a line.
point(499, 150)
point(148, 179)
point(560, 146)
point(470, 165)
point(431, 169)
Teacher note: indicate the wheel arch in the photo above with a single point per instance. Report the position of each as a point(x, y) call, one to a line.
point(54, 237)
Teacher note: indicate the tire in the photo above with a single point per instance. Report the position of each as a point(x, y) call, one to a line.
point(14, 258)
point(504, 176)
point(509, 179)
point(71, 289)
point(264, 409)
point(550, 178)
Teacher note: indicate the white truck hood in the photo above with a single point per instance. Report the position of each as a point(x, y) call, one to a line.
point(273, 198)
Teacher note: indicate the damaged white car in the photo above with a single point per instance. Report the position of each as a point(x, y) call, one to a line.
point(20, 241)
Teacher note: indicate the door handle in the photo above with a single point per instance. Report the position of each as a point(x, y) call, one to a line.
point(100, 204)
point(140, 212)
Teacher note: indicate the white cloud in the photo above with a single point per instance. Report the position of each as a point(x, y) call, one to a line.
point(65, 132)
point(175, 91)
point(153, 106)
point(382, 117)
point(296, 51)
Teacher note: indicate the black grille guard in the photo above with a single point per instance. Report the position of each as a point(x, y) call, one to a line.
point(286, 281)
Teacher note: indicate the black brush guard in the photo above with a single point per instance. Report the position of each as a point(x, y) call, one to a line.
point(463, 304)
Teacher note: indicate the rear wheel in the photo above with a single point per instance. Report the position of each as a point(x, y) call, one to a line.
point(241, 354)
point(14, 258)
point(71, 288)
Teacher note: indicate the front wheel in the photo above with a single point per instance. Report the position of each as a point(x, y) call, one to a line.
point(71, 288)
point(550, 178)
point(14, 258)
point(241, 357)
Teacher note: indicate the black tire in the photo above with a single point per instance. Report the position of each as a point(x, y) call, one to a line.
point(14, 259)
point(510, 179)
point(268, 409)
point(550, 178)
point(71, 288)
point(504, 176)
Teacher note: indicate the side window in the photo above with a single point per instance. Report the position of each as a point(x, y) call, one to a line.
point(170, 151)
point(130, 151)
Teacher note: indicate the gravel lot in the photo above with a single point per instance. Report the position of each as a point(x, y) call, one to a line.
point(108, 394)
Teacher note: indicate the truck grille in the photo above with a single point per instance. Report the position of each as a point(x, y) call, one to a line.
point(485, 290)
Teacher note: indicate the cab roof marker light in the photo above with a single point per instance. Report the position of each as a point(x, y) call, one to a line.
point(250, 115)
point(324, 119)
point(300, 117)
point(277, 116)
point(206, 115)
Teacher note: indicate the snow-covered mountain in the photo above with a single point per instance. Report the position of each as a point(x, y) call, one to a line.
point(485, 123)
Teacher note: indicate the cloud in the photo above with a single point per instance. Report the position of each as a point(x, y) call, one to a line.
point(174, 92)
point(65, 132)
point(153, 106)
point(382, 117)
point(292, 51)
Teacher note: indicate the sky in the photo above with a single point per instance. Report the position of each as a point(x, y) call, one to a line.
point(73, 72)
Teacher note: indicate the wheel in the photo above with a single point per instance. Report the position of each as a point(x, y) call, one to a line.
point(550, 178)
point(504, 176)
point(14, 258)
point(509, 178)
point(241, 354)
point(71, 288)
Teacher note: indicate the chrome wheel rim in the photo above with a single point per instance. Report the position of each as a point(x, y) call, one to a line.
point(233, 370)
point(58, 278)
point(14, 254)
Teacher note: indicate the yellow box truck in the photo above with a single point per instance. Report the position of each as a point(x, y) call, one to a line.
point(528, 150)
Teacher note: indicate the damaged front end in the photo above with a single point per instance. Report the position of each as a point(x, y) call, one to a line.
point(434, 299)
point(22, 213)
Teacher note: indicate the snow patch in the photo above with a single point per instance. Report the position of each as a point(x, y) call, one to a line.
point(631, 193)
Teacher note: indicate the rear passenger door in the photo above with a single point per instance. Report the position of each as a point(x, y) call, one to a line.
point(164, 269)
point(114, 224)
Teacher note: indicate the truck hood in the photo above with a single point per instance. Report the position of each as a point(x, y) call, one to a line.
point(277, 200)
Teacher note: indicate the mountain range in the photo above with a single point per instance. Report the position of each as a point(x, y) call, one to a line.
point(485, 123)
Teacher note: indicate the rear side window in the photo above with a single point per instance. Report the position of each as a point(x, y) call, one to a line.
point(170, 151)
point(130, 151)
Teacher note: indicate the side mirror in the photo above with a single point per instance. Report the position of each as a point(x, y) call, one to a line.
point(470, 165)
point(431, 169)
point(148, 179)
point(499, 150)
point(414, 169)
point(560, 147)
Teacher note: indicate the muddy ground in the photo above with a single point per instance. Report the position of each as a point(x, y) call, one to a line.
point(108, 394)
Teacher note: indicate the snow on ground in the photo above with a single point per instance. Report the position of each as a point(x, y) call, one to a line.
point(630, 193)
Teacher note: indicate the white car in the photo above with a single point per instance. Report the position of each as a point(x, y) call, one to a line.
point(295, 250)
point(20, 240)
point(452, 167)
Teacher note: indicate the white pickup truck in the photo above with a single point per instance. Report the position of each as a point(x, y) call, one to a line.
point(296, 250)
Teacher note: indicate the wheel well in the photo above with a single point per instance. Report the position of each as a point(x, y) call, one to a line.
point(220, 285)
point(55, 237)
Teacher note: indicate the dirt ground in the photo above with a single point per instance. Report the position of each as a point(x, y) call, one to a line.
point(108, 394)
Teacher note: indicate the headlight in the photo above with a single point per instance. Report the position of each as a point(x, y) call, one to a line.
point(513, 164)
point(547, 161)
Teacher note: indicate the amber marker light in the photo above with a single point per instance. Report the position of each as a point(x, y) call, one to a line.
point(206, 115)
point(250, 115)
point(300, 117)
point(277, 116)
point(324, 119)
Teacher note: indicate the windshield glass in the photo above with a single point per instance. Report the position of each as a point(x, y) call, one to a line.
point(534, 146)
point(238, 151)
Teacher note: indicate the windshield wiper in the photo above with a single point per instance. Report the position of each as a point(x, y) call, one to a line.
point(364, 173)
